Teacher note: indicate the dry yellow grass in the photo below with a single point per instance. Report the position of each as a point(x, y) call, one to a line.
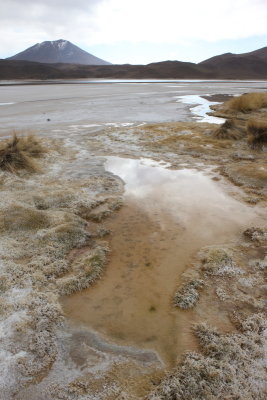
point(257, 133)
point(247, 173)
point(19, 153)
point(196, 142)
point(247, 102)
point(228, 130)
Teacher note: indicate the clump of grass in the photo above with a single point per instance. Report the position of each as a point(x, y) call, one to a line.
point(247, 102)
point(255, 234)
point(218, 262)
point(87, 270)
point(188, 295)
point(69, 234)
point(228, 130)
point(19, 153)
point(257, 134)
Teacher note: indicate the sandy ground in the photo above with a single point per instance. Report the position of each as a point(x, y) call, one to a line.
point(162, 233)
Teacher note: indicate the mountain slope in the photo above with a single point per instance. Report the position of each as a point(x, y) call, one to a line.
point(58, 51)
point(18, 69)
point(260, 54)
point(251, 65)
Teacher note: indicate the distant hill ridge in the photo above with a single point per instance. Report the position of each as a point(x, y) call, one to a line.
point(58, 51)
point(260, 54)
point(252, 65)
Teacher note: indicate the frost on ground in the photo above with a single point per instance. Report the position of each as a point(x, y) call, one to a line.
point(43, 217)
point(52, 244)
point(188, 295)
point(230, 366)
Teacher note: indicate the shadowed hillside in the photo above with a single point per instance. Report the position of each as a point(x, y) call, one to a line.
point(226, 66)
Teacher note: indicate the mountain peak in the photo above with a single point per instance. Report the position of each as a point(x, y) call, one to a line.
point(58, 51)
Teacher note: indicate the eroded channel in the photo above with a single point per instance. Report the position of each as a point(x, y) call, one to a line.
point(167, 216)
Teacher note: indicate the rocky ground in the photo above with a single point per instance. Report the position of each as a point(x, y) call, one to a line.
point(54, 243)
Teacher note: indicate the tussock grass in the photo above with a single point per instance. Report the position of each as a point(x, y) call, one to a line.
point(257, 134)
point(228, 130)
point(20, 153)
point(247, 102)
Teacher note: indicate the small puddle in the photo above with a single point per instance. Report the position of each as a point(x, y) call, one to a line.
point(167, 216)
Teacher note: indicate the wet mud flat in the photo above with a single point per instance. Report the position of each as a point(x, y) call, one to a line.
point(44, 108)
point(122, 264)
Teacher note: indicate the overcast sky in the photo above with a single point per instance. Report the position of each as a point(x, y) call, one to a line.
point(136, 31)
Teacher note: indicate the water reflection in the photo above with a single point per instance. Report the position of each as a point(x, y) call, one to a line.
point(168, 215)
point(188, 195)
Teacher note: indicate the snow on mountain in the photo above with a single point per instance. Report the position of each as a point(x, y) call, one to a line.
point(58, 51)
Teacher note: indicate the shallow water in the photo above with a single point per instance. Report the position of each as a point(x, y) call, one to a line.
point(168, 215)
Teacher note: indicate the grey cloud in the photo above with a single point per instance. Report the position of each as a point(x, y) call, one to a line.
point(22, 11)
point(25, 22)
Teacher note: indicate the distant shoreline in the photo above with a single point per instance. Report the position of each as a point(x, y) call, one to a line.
point(92, 81)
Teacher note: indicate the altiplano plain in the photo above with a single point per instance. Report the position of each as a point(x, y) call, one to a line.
point(133, 240)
